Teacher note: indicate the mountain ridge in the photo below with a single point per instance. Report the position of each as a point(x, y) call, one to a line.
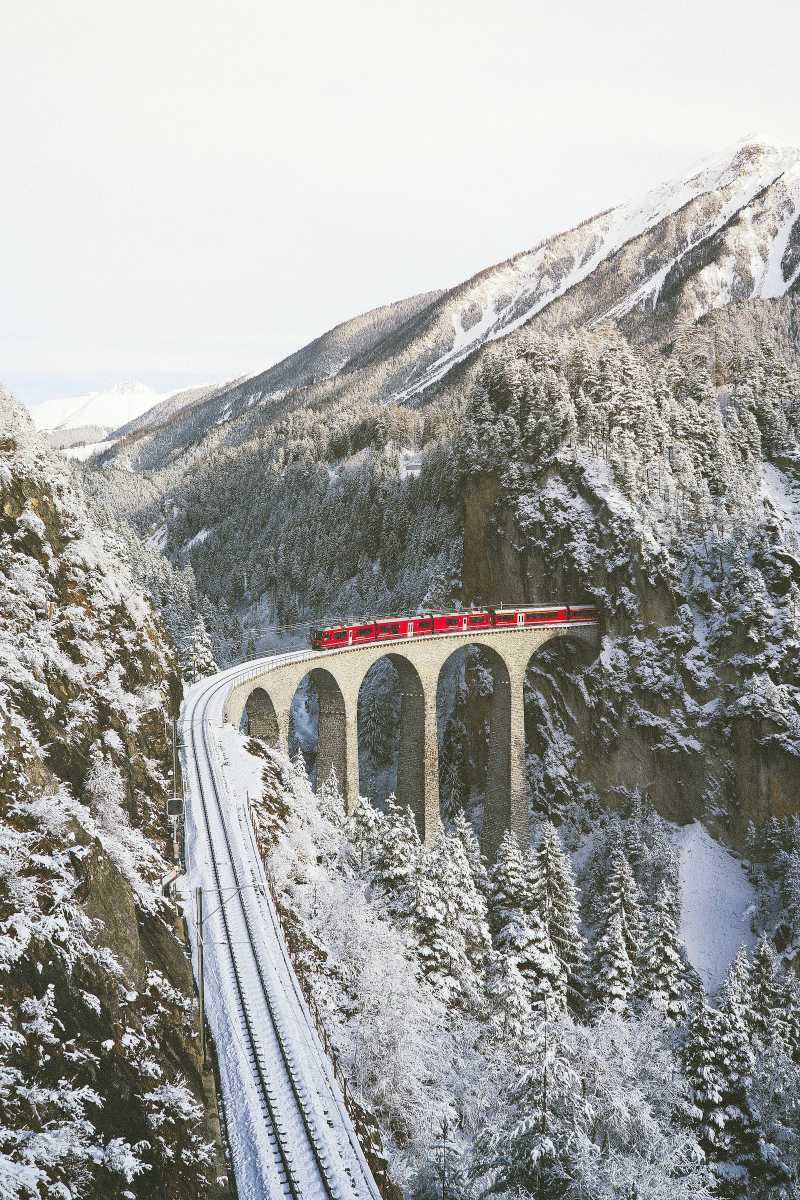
point(726, 230)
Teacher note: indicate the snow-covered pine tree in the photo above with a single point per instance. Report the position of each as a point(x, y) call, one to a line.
point(467, 906)
point(662, 978)
point(612, 972)
point(717, 1067)
point(438, 945)
point(507, 997)
point(734, 997)
point(542, 969)
point(622, 896)
point(463, 830)
point(523, 937)
point(769, 1011)
point(363, 830)
point(551, 893)
point(330, 801)
point(200, 656)
point(397, 857)
point(607, 839)
point(532, 1153)
point(507, 920)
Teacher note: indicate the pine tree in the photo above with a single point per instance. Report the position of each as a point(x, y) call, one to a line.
point(397, 857)
point(364, 830)
point(506, 896)
point(717, 1065)
point(437, 944)
point(507, 997)
point(662, 967)
point(531, 1156)
point(542, 969)
point(463, 830)
point(467, 907)
point(735, 996)
point(551, 893)
point(522, 937)
point(200, 657)
point(622, 897)
point(612, 972)
point(608, 839)
point(330, 801)
point(769, 1011)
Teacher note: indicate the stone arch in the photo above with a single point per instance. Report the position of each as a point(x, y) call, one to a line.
point(261, 717)
point(502, 769)
point(411, 751)
point(332, 731)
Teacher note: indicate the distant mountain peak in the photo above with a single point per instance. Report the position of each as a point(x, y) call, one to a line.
point(105, 409)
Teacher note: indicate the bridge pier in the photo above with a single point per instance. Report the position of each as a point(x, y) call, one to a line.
point(336, 731)
point(506, 803)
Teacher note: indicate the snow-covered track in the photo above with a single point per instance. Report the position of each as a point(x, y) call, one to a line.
point(293, 1137)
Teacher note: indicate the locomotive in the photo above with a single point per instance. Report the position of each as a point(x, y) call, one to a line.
point(394, 628)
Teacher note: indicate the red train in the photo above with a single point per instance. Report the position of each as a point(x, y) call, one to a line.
point(393, 628)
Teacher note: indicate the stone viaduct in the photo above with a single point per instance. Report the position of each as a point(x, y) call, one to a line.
point(338, 674)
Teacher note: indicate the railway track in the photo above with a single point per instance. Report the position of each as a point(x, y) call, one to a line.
point(293, 1137)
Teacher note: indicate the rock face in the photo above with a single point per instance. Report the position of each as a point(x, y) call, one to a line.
point(689, 548)
point(103, 1089)
point(729, 776)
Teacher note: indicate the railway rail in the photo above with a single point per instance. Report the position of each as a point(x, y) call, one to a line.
point(294, 1137)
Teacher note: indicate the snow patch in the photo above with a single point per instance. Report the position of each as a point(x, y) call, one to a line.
point(717, 900)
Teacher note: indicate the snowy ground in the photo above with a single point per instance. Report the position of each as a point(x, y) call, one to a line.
point(717, 901)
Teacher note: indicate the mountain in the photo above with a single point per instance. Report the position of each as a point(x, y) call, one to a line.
point(94, 415)
point(726, 231)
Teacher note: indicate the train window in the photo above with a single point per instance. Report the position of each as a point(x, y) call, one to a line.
point(449, 621)
point(388, 629)
point(339, 635)
point(363, 630)
point(477, 620)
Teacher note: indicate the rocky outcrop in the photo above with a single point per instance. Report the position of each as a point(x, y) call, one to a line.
point(103, 1090)
point(640, 717)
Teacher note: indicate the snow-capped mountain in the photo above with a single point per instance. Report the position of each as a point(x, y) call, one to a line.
point(725, 231)
point(107, 409)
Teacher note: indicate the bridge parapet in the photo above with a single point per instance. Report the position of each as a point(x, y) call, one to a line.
point(269, 690)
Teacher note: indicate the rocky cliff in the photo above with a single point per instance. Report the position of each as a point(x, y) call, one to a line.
point(672, 502)
point(101, 1090)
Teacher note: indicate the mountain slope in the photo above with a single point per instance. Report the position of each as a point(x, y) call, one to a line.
point(725, 232)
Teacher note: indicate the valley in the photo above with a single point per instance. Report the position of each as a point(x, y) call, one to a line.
point(599, 997)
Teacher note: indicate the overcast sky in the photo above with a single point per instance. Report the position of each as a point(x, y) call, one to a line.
point(193, 188)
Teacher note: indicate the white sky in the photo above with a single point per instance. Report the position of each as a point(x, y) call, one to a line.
point(193, 188)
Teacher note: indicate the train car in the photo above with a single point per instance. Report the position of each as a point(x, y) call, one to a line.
point(330, 639)
point(508, 618)
point(581, 612)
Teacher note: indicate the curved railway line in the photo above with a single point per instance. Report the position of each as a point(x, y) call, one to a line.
point(306, 1146)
